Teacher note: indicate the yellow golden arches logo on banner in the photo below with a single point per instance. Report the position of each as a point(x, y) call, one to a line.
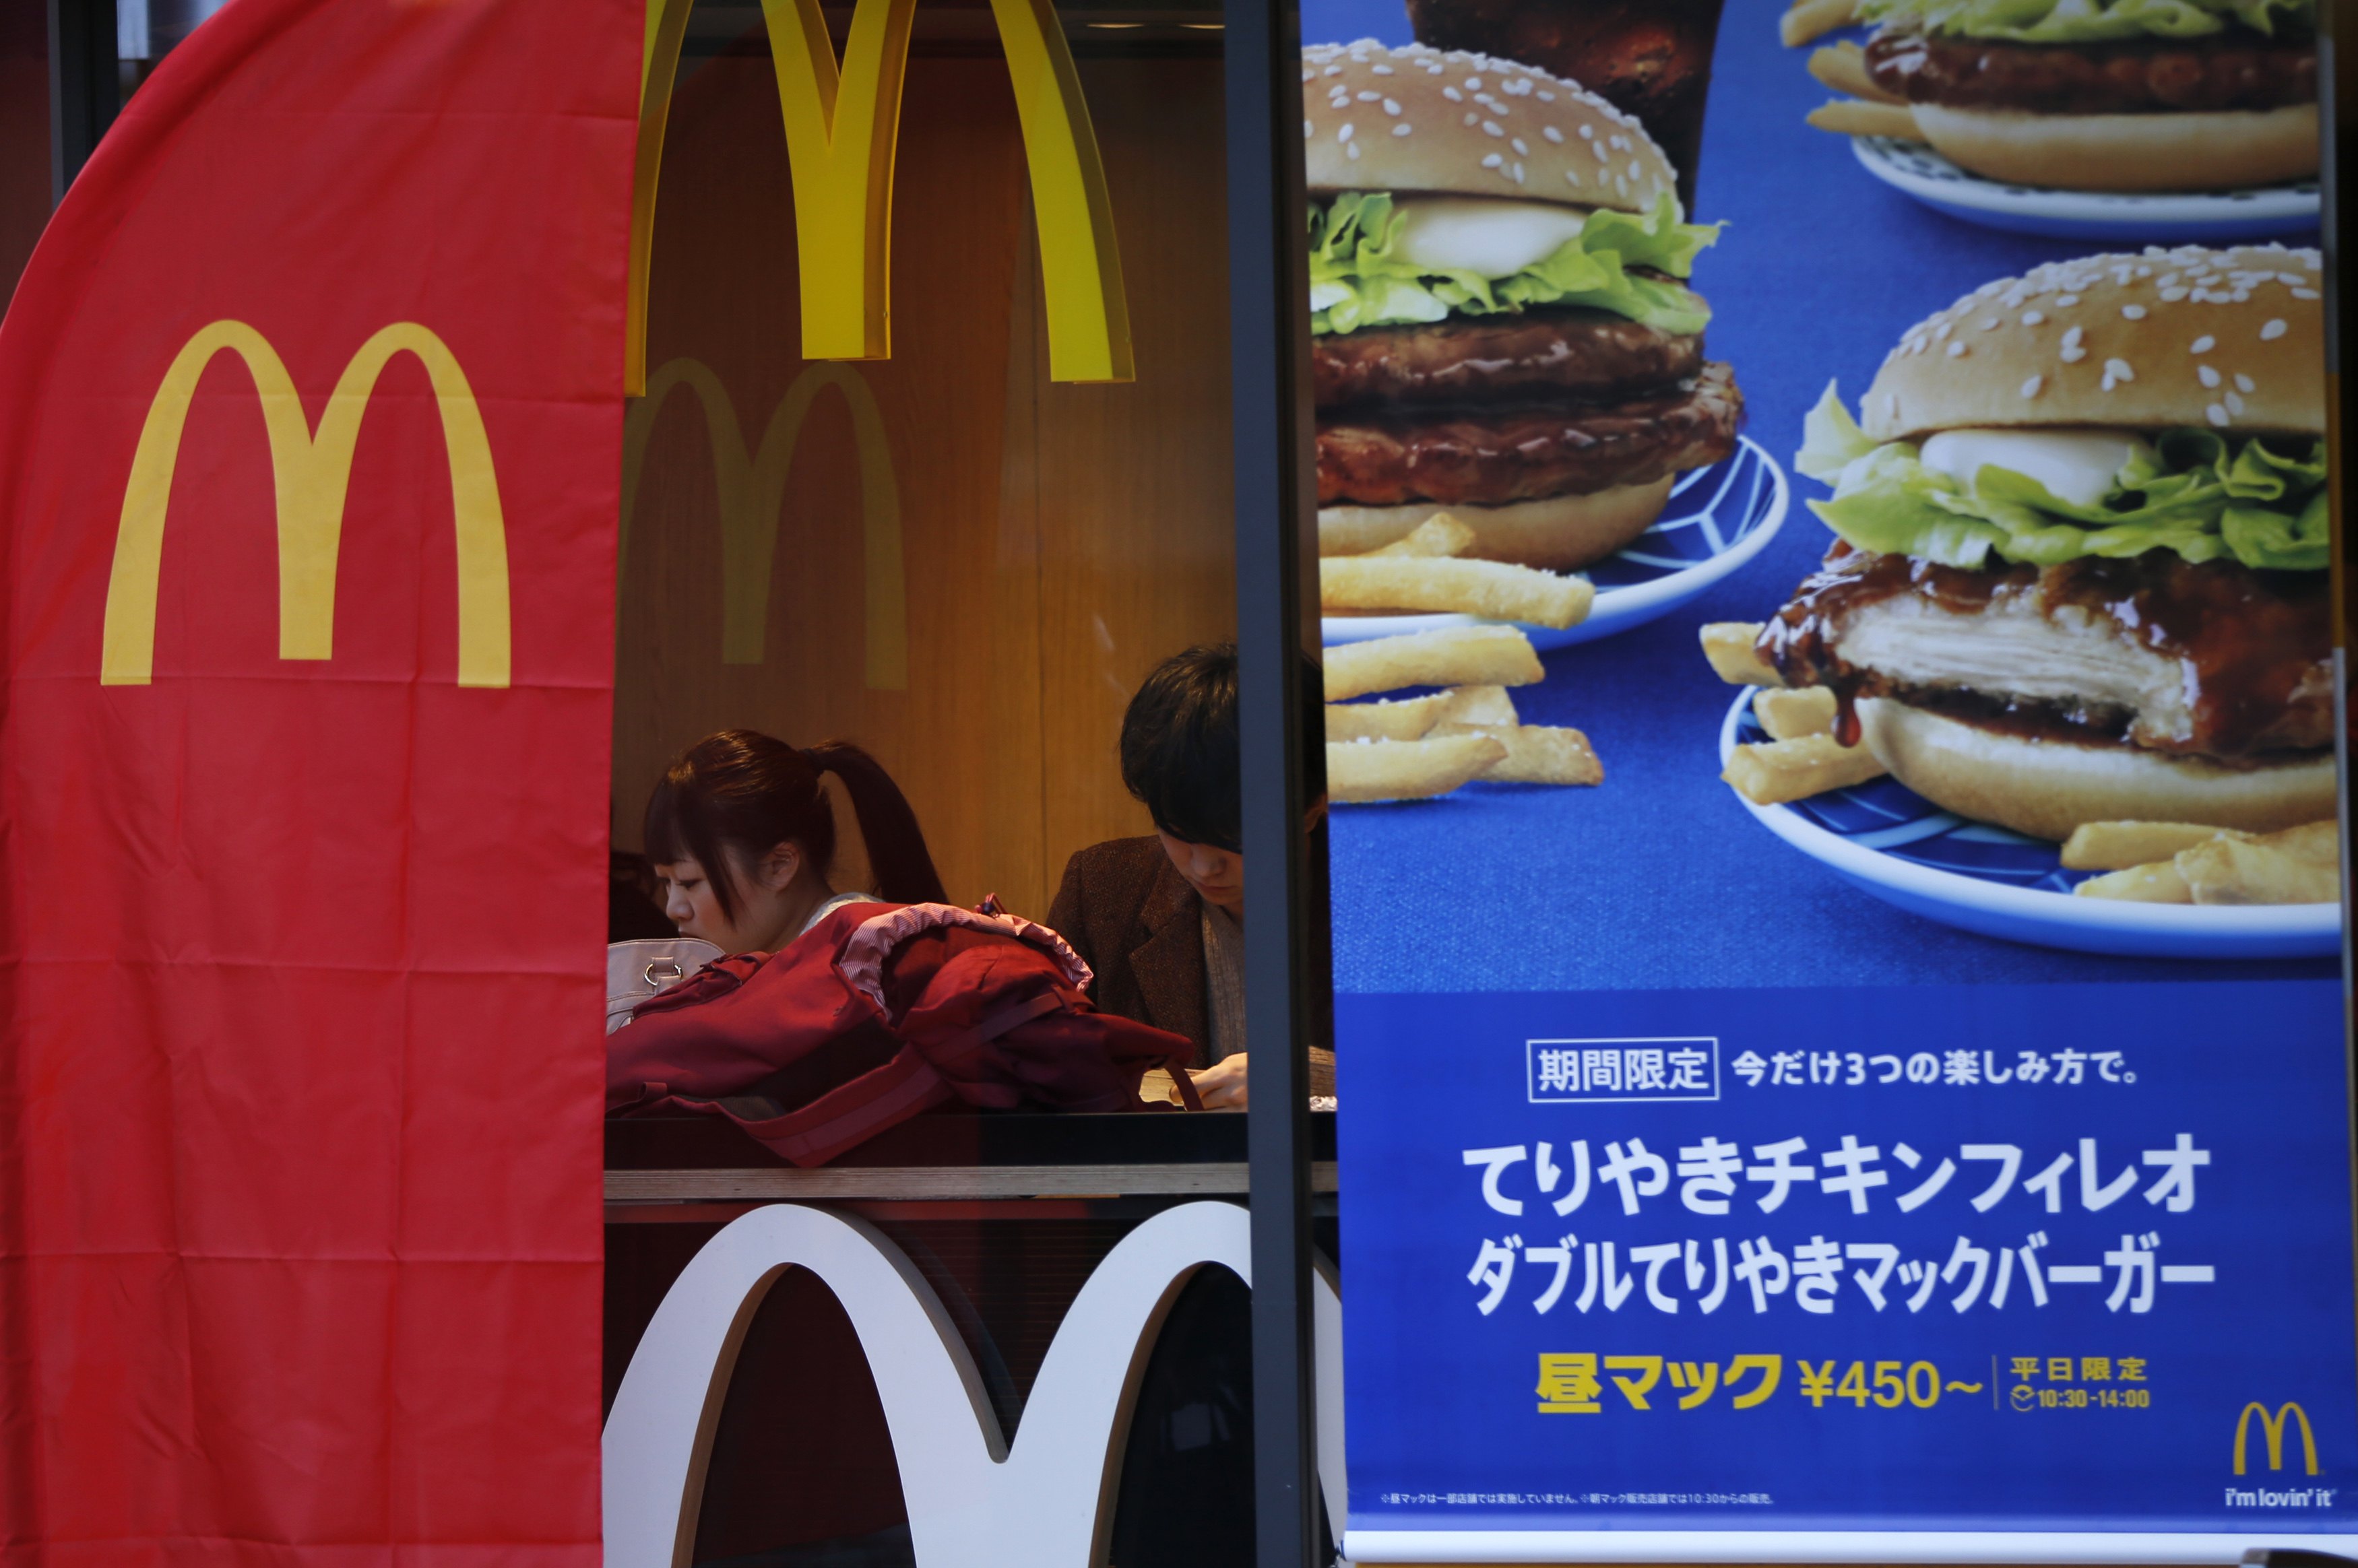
point(842, 127)
point(312, 471)
point(2272, 1430)
point(751, 488)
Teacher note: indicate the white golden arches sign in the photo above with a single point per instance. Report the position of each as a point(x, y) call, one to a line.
point(973, 1503)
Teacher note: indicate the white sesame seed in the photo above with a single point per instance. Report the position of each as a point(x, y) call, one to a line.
point(2235, 404)
point(1587, 133)
point(1369, 97)
point(2206, 375)
point(2167, 280)
point(2216, 414)
point(2030, 388)
point(2272, 331)
point(1622, 144)
point(2072, 338)
point(2067, 300)
point(1332, 71)
point(1392, 106)
point(2202, 345)
point(1473, 84)
point(2119, 370)
point(1572, 177)
point(1941, 333)
point(1635, 172)
point(1602, 156)
point(1519, 174)
point(1453, 95)
point(1350, 150)
point(2245, 384)
point(1957, 349)
point(1989, 323)
point(2133, 312)
point(1545, 96)
point(1345, 134)
point(1308, 130)
point(2172, 295)
point(2291, 279)
point(2033, 317)
point(1492, 128)
point(1471, 116)
point(1379, 70)
point(1550, 132)
point(2071, 353)
point(2305, 294)
point(1517, 142)
point(1492, 160)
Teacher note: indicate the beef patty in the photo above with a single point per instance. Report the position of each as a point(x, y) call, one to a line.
point(2212, 660)
point(1487, 359)
point(2234, 69)
point(1523, 453)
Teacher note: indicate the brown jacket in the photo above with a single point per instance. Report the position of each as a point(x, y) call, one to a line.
point(1132, 917)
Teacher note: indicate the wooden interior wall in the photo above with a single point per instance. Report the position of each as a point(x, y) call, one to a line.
point(1056, 541)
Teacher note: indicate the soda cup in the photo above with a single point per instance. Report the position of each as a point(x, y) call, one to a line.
point(1647, 57)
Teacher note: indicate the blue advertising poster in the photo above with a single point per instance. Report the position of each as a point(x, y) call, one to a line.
point(1840, 1026)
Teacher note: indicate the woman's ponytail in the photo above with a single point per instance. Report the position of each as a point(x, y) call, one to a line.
point(737, 795)
point(897, 856)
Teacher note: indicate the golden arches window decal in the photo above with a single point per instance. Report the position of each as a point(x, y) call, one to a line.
point(312, 472)
point(843, 128)
point(751, 488)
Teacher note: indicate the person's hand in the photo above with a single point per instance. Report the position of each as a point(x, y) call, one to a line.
point(1222, 1084)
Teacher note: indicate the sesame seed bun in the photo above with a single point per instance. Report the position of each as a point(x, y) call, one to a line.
point(2177, 151)
point(2047, 788)
point(1559, 533)
point(1419, 119)
point(2230, 339)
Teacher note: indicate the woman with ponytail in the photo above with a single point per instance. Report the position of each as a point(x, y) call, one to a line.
point(836, 1015)
point(742, 836)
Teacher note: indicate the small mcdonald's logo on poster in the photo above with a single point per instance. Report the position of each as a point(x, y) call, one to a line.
point(2272, 1431)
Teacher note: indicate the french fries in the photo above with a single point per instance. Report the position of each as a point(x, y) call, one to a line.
point(1728, 644)
point(1842, 67)
point(1458, 655)
point(1537, 753)
point(1437, 536)
point(1411, 718)
point(1775, 772)
point(1854, 117)
point(2117, 846)
point(2192, 864)
point(1492, 589)
point(2140, 884)
point(1809, 19)
point(1362, 771)
point(1792, 715)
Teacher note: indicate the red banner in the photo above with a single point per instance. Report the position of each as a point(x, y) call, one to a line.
point(311, 416)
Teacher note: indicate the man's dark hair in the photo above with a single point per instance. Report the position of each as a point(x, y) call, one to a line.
point(1179, 747)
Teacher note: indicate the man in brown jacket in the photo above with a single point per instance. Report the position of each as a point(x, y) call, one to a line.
point(1161, 919)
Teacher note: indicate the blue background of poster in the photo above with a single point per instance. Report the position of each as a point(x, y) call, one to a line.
point(1658, 878)
point(1443, 1397)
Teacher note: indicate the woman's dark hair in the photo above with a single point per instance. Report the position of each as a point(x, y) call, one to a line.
point(747, 792)
point(1179, 747)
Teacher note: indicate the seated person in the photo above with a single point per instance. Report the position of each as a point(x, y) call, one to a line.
point(742, 839)
point(1161, 919)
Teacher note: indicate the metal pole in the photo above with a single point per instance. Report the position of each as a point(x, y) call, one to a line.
point(83, 93)
point(1269, 318)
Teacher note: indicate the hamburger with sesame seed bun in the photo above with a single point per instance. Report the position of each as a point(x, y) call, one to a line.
point(2114, 95)
point(1500, 322)
point(2082, 544)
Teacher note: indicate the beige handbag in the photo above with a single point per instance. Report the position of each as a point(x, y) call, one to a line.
point(638, 970)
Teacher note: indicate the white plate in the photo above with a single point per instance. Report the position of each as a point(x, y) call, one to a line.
point(1905, 851)
point(1717, 519)
point(2210, 218)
